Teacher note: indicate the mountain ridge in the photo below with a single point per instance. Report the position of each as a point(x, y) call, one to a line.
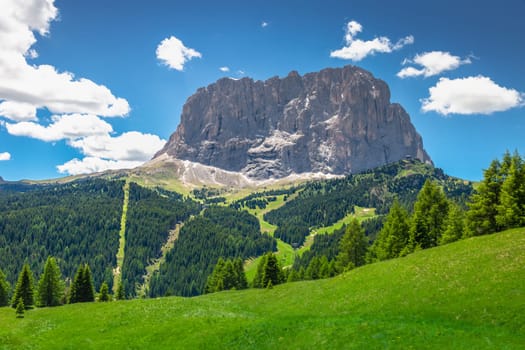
point(336, 121)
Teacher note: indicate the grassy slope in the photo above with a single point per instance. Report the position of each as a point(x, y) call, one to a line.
point(466, 295)
point(285, 252)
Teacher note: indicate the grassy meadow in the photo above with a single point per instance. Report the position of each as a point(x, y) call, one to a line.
point(465, 295)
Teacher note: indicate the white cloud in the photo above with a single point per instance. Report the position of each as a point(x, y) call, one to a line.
point(471, 95)
point(5, 156)
point(24, 88)
point(357, 49)
point(432, 63)
point(130, 146)
point(104, 152)
point(92, 164)
point(224, 69)
point(92, 137)
point(172, 53)
point(71, 127)
point(264, 24)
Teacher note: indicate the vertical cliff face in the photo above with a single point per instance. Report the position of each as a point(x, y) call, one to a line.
point(336, 121)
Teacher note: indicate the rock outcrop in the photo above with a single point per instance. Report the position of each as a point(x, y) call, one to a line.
point(336, 121)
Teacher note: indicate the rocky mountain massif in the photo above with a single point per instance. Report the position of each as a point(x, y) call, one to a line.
point(336, 121)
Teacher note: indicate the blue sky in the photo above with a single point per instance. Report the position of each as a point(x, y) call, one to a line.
point(90, 85)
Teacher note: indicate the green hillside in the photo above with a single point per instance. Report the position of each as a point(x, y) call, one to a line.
point(465, 295)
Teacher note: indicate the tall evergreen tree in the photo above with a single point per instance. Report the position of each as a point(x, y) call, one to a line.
point(82, 289)
point(511, 207)
point(104, 292)
point(24, 288)
point(4, 290)
point(430, 211)
point(313, 271)
point(454, 225)
point(352, 247)
point(215, 280)
point(227, 274)
point(272, 272)
point(268, 270)
point(242, 282)
point(50, 285)
point(481, 216)
point(393, 237)
point(121, 293)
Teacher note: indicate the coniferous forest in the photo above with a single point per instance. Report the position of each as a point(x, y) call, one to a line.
point(58, 242)
point(77, 223)
point(219, 232)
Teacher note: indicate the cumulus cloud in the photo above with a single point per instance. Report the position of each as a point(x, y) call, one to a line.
point(25, 88)
point(357, 49)
point(264, 24)
point(224, 69)
point(92, 137)
point(92, 164)
point(172, 53)
point(5, 156)
point(71, 127)
point(104, 152)
point(76, 103)
point(432, 63)
point(130, 146)
point(471, 95)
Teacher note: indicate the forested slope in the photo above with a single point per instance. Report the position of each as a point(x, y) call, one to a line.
point(219, 232)
point(151, 215)
point(322, 203)
point(76, 222)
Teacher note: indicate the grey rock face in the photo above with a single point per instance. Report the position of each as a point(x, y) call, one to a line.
point(336, 121)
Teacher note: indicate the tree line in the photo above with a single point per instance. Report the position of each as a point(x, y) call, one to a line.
point(497, 204)
point(320, 204)
point(51, 289)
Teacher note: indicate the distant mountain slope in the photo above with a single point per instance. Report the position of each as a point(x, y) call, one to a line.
point(336, 121)
point(323, 203)
point(465, 295)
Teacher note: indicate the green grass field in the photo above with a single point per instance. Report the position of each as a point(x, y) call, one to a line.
point(466, 295)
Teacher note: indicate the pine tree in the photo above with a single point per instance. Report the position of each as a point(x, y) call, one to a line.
point(82, 289)
point(257, 280)
point(293, 276)
point(313, 271)
point(121, 293)
point(226, 275)
point(20, 308)
point(511, 207)
point(454, 226)
point(481, 216)
point(272, 271)
point(393, 237)
point(430, 211)
point(352, 247)
point(50, 285)
point(268, 269)
point(24, 288)
point(217, 275)
point(242, 282)
point(324, 270)
point(88, 287)
point(4, 290)
point(229, 277)
point(104, 292)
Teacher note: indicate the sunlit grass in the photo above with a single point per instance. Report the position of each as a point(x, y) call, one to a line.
point(465, 295)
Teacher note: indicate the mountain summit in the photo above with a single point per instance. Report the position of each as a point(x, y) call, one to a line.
point(336, 121)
